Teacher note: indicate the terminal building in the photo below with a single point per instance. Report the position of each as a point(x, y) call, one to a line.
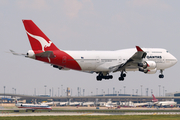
point(175, 94)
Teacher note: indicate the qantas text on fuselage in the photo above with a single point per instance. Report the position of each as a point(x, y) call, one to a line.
point(147, 60)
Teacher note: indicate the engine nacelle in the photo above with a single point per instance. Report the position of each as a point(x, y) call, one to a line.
point(151, 71)
point(151, 65)
point(147, 65)
point(31, 54)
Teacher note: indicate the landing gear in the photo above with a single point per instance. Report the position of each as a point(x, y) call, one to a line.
point(161, 74)
point(123, 75)
point(101, 76)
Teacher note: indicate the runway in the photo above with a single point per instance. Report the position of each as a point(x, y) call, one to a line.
point(86, 114)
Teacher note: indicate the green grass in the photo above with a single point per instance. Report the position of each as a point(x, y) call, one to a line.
point(113, 117)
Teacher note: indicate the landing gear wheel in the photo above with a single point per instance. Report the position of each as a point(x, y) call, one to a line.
point(124, 75)
point(161, 76)
point(99, 78)
point(110, 77)
point(121, 78)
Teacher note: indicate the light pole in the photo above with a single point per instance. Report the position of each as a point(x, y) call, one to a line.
point(96, 91)
point(45, 89)
point(61, 90)
point(12, 90)
point(78, 91)
point(58, 91)
point(159, 90)
point(147, 91)
point(151, 91)
point(71, 92)
point(133, 91)
point(113, 90)
point(124, 90)
point(163, 90)
point(84, 91)
point(141, 90)
point(136, 91)
point(4, 91)
point(120, 91)
point(50, 92)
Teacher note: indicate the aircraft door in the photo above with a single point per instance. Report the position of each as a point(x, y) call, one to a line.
point(98, 59)
point(119, 59)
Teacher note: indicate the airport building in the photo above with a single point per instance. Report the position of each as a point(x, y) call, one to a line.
point(175, 94)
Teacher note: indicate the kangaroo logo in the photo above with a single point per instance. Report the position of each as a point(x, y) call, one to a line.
point(42, 41)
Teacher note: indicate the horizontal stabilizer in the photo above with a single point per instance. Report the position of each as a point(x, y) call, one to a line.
point(14, 53)
point(47, 54)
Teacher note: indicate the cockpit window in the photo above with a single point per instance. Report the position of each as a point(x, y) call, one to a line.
point(167, 51)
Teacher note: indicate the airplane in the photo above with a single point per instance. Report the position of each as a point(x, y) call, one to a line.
point(163, 103)
point(146, 60)
point(33, 107)
point(88, 104)
point(110, 106)
point(63, 103)
point(74, 103)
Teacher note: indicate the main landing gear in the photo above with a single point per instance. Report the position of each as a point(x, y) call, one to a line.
point(122, 76)
point(161, 74)
point(102, 76)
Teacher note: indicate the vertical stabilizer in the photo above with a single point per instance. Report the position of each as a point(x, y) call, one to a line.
point(38, 40)
point(154, 99)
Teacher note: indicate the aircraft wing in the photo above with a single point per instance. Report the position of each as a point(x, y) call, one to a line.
point(137, 57)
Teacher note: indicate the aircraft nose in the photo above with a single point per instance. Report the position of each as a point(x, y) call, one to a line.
point(174, 61)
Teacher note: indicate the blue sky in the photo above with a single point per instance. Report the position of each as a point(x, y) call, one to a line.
point(87, 25)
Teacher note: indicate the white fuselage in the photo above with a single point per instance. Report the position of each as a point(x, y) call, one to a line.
point(102, 60)
point(33, 106)
point(166, 103)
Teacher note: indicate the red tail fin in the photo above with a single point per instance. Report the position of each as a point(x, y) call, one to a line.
point(37, 39)
point(154, 99)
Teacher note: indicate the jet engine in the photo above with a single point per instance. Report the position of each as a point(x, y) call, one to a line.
point(148, 67)
point(147, 64)
point(151, 64)
point(30, 54)
point(152, 71)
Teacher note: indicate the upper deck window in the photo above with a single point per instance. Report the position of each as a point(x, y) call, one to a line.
point(156, 52)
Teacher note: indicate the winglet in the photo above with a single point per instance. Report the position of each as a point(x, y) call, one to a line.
point(139, 49)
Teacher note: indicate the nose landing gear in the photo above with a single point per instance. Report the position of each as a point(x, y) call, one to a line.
point(161, 74)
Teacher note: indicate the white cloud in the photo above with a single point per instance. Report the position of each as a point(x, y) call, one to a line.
point(72, 7)
point(33, 4)
point(149, 4)
point(3, 2)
